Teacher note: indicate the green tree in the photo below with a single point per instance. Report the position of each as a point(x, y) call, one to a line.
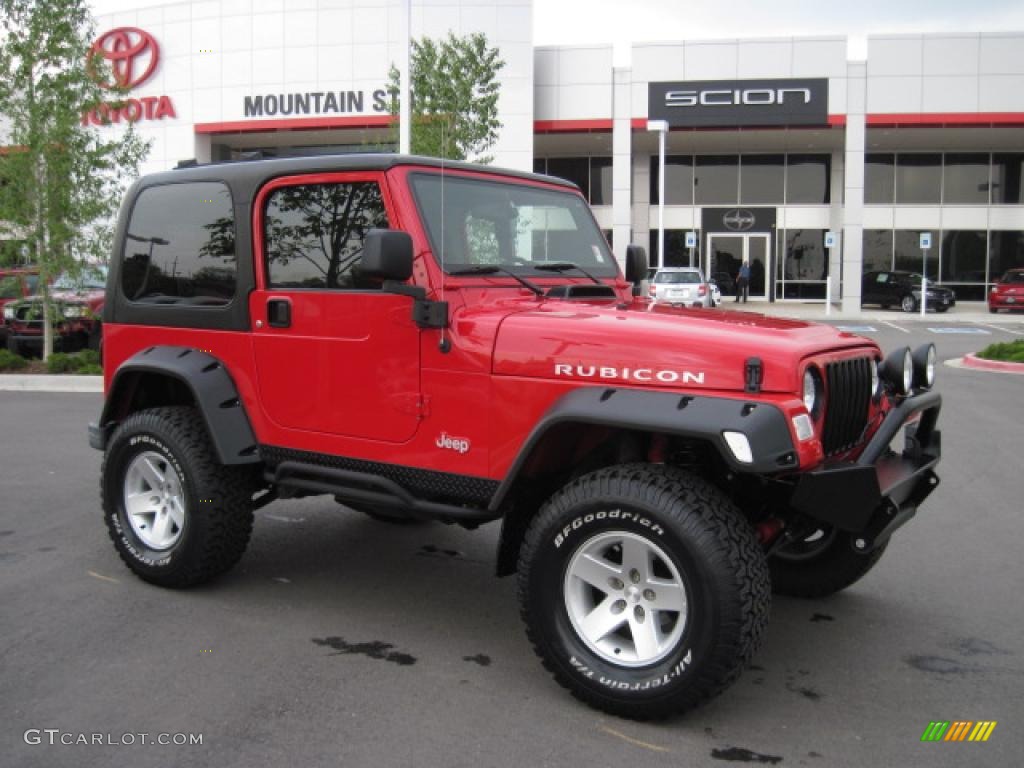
point(454, 97)
point(60, 181)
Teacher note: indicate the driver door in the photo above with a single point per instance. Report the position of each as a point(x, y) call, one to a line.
point(334, 353)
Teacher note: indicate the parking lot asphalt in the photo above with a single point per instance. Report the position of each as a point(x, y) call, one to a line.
point(342, 641)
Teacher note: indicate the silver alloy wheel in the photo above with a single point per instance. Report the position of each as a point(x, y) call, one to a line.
point(625, 599)
point(154, 501)
point(908, 304)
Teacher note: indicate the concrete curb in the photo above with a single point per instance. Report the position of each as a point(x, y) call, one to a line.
point(35, 382)
point(978, 363)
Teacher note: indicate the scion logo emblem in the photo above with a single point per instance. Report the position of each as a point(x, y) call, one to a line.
point(738, 220)
point(133, 55)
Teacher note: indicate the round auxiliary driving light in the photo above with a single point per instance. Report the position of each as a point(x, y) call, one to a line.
point(898, 371)
point(924, 365)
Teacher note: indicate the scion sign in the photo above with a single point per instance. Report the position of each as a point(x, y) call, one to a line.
point(740, 102)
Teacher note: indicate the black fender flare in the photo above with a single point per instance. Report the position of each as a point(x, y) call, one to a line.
point(695, 416)
point(212, 388)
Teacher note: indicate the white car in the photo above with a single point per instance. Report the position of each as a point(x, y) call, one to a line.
point(684, 286)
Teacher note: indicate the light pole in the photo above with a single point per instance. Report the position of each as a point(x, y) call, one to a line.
point(661, 126)
point(404, 91)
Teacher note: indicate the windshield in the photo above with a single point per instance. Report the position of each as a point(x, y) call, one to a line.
point(513, 226)
point(1013, 277)
point(675, 278)
point(91, 279)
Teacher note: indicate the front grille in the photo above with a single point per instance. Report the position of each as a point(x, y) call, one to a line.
point(29, 313)
point(847, 399)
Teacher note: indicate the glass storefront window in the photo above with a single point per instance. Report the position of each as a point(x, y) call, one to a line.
point(965, 179)
point(918, 179)
point(678, 180)
point(803, 265)
point(600, 181)
point(963, 256)
point(879, 179)
point(716, 180)
point(877, 249)
point(907, 254)
point(676, 252)
point(762, 179)
point(1007, 178)
point(808, 179)
point(574, 169)
point(1005, 251)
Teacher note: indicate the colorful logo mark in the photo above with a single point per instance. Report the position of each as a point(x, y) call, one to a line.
point(958, 730)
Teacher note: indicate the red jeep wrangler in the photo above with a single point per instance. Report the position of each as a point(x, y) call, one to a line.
point(456, 343)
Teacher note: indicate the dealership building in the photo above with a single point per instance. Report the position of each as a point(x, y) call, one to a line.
point(785, 151)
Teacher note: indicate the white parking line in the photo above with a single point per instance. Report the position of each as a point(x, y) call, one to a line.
point(893, 325)
point(1000, 328)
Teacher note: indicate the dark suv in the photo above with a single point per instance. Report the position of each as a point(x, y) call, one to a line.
point(903, 290)
point(457, 343)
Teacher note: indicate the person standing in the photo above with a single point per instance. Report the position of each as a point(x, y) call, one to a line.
point(743, 282)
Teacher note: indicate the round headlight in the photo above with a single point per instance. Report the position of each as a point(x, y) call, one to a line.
point(898, 371)
point(924, 365)
point(812, 391)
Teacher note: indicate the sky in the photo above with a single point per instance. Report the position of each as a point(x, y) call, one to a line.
point(622, 22)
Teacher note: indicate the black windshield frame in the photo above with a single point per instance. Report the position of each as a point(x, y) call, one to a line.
point(498, 204)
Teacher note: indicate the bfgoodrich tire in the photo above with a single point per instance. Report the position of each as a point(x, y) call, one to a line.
point(643, 590)
point(176, 515)
point(821, 564)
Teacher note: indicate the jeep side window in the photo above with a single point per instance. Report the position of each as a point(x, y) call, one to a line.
point(180, 246)
point(314, 234)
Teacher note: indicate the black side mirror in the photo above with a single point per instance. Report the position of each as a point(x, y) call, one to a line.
point(387, 255)
point(636, 266)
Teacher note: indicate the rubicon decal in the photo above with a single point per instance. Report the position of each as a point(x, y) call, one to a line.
point(642, 375)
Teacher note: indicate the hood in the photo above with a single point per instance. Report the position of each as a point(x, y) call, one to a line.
point(652, 345)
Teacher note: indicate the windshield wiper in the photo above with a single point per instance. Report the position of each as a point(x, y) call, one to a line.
point(491, 269)
point(564, 266)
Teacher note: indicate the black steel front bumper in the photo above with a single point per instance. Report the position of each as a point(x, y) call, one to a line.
point(880, 491)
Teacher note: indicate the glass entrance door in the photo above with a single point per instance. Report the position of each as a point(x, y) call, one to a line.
point(724, 255)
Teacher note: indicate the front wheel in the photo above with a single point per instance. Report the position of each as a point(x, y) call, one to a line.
point(820, 564)
point(908, 304)
point(177, 517)
point(643, 589)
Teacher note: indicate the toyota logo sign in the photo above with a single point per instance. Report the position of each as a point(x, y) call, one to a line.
point(133, 55)
point(738, 220)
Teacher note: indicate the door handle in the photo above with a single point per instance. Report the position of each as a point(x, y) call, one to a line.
point(279, 313)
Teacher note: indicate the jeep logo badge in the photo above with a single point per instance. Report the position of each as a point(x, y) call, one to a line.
point(738, 220)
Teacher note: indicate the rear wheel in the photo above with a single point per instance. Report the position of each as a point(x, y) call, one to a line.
point(177, 517)
point(820, 564)
point(643, 589)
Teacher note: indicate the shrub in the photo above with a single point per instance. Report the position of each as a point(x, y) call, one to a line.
point(1007, 351)
point(86, 362)
point(10, 361)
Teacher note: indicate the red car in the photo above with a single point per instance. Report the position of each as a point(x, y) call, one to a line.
point(1008, 293)
point(79, 305)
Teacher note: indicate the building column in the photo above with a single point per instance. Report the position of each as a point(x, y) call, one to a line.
point(853, 208)
point(622, 168)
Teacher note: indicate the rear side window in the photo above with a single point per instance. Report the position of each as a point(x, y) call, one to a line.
point(10, 288)
point(314, 234)
point(180, 246)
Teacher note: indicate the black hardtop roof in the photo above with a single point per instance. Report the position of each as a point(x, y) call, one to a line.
point(257, 172)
